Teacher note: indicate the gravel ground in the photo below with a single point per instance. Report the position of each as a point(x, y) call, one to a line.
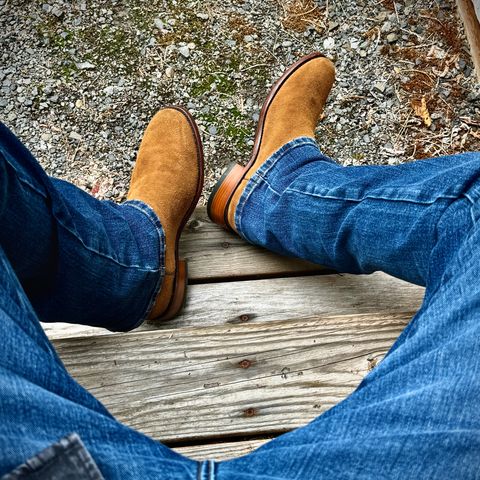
point(80, 79)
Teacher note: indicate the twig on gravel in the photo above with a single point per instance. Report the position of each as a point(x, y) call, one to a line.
point(418, 71)
point(470, 121)
point(402, 129)
point(75, 154)
point(411, 32)
point(396, 12)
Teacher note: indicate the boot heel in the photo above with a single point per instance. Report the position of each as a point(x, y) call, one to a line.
point(179, 292)
point(222, 193)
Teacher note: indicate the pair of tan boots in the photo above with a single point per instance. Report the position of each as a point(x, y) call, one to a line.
point(168, 175)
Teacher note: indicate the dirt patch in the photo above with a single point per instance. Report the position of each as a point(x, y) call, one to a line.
point(240, 27)
point(389, 4)
point(302, 14)
point(428, 83)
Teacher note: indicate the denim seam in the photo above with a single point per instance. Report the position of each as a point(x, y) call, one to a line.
point(206, 470)
point(260, 176)
point(155, 221)
point(369, 197)
point(90, 249)
point(22, 178)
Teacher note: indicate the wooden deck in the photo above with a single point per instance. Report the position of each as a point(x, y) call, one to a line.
point(264, 345)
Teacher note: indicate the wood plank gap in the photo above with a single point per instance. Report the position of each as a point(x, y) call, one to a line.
point(218, 440)
point(262, 276)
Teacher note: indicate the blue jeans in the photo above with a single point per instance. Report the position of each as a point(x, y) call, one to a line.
point(414, 416)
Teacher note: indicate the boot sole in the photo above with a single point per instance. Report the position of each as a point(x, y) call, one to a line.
point(221, 197)
point(178, 298)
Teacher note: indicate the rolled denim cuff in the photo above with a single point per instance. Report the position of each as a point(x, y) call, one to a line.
point(262, 174)
point(155, 221)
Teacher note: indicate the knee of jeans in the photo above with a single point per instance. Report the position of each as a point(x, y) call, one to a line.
point(453, 228)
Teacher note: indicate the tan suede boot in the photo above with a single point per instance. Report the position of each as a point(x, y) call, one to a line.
point(168, 176)
point(291, 110)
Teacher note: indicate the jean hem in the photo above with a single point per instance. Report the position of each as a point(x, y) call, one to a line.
point(153, 218)
point(261, 176)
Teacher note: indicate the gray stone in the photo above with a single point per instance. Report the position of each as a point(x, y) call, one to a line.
point(387, 27)
point(329, 43)
point(159, 24)
point(57, 12)
point(184, 51)
point(392, 37)
point(75, 136)
point(85, 65)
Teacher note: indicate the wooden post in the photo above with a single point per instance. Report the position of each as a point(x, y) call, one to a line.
point(472, 29)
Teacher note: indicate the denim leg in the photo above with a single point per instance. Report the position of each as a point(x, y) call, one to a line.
point(41, 403)
point(80, 260)
point(356, 219)
point(415, 416)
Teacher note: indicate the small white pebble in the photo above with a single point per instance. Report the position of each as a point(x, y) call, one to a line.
point(329, 43)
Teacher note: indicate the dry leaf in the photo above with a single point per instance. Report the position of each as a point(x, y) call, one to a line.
point(421, 110)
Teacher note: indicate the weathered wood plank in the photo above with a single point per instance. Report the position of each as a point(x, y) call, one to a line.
point(220, 451)
point(213, 253)
point(472, 29)
point(257, 301)
point(232, 380)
